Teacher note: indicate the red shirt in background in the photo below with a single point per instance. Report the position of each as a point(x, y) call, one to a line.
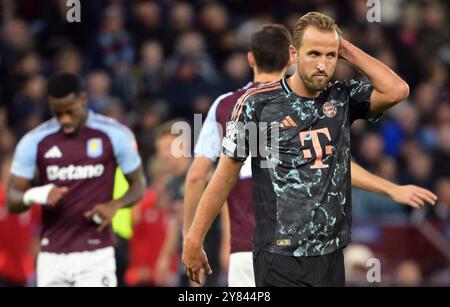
point(148, 238)
point(17, 231)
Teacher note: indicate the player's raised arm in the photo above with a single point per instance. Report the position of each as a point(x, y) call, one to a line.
point(389, 88)
point(216, 193)
point(410, 195)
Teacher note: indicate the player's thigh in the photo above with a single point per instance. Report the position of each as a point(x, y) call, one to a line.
point(240, 270)
point(98, 269)
point(50, 271)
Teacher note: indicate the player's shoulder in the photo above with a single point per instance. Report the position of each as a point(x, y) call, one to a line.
point(261, 92)
point(110, 126)
point(345, 84)
point(232, 96)
point(256, 96)
point(102, 122)
point(43, 130)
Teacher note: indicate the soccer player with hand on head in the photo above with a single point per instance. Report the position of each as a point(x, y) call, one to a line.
point(302, 200)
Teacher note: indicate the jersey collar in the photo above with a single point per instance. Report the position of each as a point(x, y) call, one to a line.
point(285, 86)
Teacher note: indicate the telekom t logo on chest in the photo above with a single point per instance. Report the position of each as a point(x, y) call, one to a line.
point(313, 135)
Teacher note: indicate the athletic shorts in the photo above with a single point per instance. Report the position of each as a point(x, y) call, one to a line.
point(274, 270)
point(81, 269)
point(240, 270)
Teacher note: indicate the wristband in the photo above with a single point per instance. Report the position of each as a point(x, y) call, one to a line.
point(37, 195)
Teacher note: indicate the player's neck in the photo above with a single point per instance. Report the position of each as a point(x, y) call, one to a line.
point(299, 87)
point(264, 77)
point(84, 120)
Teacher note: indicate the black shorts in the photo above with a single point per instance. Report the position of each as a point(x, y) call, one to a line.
point(274, 270)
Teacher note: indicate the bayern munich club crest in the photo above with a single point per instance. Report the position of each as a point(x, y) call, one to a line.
point(329, 109)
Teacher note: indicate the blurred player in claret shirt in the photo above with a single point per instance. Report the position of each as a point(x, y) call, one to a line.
point(73, 158)
point(302, 200)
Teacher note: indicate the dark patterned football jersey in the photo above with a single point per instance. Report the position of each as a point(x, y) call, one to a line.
point(300, 149)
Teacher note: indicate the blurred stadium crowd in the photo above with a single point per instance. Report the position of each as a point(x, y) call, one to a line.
point(146, 62)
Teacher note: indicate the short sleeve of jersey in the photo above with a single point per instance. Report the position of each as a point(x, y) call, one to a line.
point(210, 137)
point(360, 93)
point(24, 161)
point(125, 149)
point(235, 144)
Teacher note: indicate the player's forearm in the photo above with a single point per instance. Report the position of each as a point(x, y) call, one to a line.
point(15, 201)
point(135, 192)
point(364, 180)
point(215, 195)
point(385, 81)
point(225, 231)
point(15, 194)
point(193, 190)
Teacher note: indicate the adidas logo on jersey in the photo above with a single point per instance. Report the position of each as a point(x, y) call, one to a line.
point(288, 122)
point(53, 153)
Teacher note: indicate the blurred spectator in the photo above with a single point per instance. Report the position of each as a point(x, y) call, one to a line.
point(441, 156)
point(175, 168)
point(7, 142)
point(356, 257)
point(30, 106)
point(16, 38)
point(116, 48)
point(214, 22)
point(69, 59)
point(371, 150)
point(186, 87)
point(418, 170)
point(426, 100)
point(434, 32)
point(236, 72)
point(408, 274)
point(153, 114)
point(181, 20)
point(149, 74)
point(401, 127)
point(149, 225)
point(147, 23)
point(442, 189)
point(25, 65)
point(191, 45)
point(98, 91)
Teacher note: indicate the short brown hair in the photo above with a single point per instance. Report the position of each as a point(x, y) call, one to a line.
point(166, 129)
point(317, 20)
point(270, 46)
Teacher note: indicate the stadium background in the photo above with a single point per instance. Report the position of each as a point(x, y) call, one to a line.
point(146, 62)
